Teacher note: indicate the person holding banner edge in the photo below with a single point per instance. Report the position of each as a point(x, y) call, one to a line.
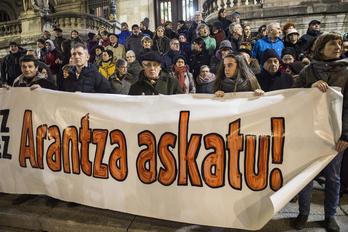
point(235, 76)
point(327, 69)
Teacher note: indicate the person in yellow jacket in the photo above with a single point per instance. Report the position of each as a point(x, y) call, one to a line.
point(107, 67)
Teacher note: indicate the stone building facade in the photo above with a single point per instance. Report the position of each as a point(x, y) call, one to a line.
point(22, 22)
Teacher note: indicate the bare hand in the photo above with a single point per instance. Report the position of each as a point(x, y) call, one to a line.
point(258, 92)
point(321, 85)
point(5, 86)
point(33, 87)
point(341, 145)
point(219, 93)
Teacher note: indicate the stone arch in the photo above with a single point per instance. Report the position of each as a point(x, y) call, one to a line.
point(12, 9)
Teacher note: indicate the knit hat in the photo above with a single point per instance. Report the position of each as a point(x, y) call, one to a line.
point(296, 67)
point(245, 51)
point(292, 31)
point(151, 56)
point(217, 25)
point(289, 51)
point(225, 44)
point(314, 22)
point(269, 53)
point(179, 57)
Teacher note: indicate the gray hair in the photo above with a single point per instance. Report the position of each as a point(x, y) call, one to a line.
point(121, 62)
point(271, 25)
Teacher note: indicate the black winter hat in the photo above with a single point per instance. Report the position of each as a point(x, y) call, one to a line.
point(151, 56)
point(289, 51)
point(269, 53)
point(314, 22)
point(179, 57)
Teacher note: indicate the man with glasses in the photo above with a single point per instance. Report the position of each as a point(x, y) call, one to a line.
point(152, 81)
point(169, 57)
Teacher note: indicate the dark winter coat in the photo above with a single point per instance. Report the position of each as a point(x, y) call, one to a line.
point(10, 68)
point(89, 81)
point(21, 81)
point(134, 69)
point(334, 73)
point(277, 81)
point(133, 42)
point(164, 85)
point(120, 85)
point(161, 44)
point(197, 60)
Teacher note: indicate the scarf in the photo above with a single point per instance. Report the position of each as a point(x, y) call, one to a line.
point(210, 77)
point(235, 84)
point(180, 73)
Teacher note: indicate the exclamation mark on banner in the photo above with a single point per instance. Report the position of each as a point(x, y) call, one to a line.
point(278, 137)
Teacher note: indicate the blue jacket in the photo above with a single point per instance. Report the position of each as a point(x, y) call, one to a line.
point(123, 37)
point(262, 44)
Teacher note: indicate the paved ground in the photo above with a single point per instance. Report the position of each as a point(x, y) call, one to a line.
point(42, 213)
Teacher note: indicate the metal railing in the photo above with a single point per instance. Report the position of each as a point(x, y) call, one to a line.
point(212, 6)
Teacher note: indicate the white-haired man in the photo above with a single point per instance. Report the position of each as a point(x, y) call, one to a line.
point(272, 41)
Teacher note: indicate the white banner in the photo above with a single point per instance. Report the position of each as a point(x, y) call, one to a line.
point(229, 162)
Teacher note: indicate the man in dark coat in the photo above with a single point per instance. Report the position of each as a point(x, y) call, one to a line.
point(270, 77)
point(200, 56)
point(313, 32)
point(133, 42)
point(152, 81)
point(10, 68)
point(169, 57)
point(30, 75)
point(85, 77)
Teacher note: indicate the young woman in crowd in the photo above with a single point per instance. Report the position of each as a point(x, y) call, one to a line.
point(160, 41)
point(235, 76)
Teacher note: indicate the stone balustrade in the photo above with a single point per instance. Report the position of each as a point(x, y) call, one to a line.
point(78, 21)
point(10, 28)
point(213, 6)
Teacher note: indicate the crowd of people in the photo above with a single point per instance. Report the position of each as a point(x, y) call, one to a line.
point(195, 58)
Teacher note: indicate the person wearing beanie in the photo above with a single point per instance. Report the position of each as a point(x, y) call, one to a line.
point(288, 55)
point(271, 41)
point(181, 72)
point(199, 56)
point(292, 41)
point(133, 42)
point(271, 78)
point(223, 20)
point(117, 49)
point(152, 81)
point(107, 67)
point(10, 68)
point(58, 40)
point(313, 32)
point(224, 48)
point(294, 69)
